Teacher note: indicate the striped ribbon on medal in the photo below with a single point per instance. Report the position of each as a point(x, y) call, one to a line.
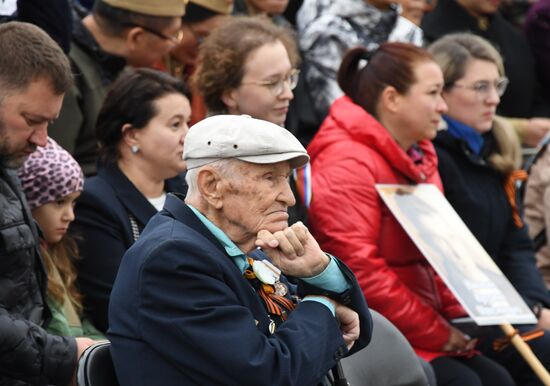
point(275, 304)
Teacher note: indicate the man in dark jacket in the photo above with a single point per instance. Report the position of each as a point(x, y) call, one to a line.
point(117, 33)
point(196, 302)
point(34, 75)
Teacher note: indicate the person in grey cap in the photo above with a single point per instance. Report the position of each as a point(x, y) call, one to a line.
point(219, 290)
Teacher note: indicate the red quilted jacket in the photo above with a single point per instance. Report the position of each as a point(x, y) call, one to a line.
point(349, 155)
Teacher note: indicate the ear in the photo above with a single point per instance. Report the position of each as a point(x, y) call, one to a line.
point(390, 99)
point(210, 185)
point(134, 37)
point(130, 135)
point(229, 98)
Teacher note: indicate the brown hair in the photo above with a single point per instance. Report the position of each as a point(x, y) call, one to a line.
point(224, 52)
point(392, 64)
point(29, 54)
point(454, 51)
point(60, 256)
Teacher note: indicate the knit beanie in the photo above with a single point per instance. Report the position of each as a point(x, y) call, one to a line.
point(49, 174)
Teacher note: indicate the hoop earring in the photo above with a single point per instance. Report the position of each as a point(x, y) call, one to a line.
point(134, 149)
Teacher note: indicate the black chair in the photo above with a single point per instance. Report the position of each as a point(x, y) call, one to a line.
point(95, 367)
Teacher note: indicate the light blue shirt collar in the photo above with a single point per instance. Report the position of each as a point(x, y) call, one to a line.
point(232, 250)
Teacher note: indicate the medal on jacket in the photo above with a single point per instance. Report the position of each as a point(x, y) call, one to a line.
point(267, 273)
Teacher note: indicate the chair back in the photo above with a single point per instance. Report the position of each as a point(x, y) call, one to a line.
point(95, 366)
point(388, 360)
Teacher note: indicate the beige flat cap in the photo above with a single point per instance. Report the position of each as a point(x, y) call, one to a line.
point(225, 7)
point(242, 137)
point(171, 8)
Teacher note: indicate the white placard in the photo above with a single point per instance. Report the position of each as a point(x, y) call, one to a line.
point(455, 254)
point(8, 7)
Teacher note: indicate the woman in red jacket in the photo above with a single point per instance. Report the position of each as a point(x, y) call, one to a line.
point(380, 132)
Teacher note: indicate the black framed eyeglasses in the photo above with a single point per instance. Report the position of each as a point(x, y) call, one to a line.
point(198, 37)
point(173, 39)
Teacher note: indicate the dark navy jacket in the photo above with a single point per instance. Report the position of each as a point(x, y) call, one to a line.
point(103, 233)
point(181, 313)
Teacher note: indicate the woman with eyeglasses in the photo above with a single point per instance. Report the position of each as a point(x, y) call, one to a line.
point(248, 66)
point(380, 132)
point(478, 156)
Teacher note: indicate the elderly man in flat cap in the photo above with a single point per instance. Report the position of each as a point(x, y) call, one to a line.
point(117, 33)
point(219, 290)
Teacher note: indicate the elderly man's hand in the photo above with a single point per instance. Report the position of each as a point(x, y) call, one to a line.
point(294, 251)
point(349, 324)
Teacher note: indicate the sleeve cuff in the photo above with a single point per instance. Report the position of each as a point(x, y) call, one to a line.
point(321, 300)
point(331, 279)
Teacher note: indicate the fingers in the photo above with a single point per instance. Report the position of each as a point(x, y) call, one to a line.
point(290, 240)
point(300, 231)
point(349, 324)
point(289, 243)
point(471, 344)
point(266, 239)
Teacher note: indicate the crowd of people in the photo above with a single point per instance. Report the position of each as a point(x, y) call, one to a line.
point(195, 182)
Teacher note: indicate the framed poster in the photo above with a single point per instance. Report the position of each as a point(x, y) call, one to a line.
point(455, 254)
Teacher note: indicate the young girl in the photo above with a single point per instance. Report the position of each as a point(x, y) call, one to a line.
point(52, 181)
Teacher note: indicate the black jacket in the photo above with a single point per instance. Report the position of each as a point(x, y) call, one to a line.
point(28, 354)
point(54, 17)
point(476, 191)
point(103, 231)
point(523, 98)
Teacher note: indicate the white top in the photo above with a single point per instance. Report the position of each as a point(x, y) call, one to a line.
point(158, 202)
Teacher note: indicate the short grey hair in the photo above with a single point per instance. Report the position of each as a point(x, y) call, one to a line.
point(453, 52)
point(226, 167)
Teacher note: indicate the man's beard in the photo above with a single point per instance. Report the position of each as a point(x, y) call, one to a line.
point(7, 160)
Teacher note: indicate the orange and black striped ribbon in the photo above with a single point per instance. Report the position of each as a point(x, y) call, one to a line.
point(510, 189)
point(276, 304)
point(501, 343)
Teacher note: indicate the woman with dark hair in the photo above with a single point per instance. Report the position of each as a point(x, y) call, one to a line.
point(140, 128)
point(379, 133)
point(478, 157)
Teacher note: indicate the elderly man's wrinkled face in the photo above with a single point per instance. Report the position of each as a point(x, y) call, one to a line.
point(257, 198)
